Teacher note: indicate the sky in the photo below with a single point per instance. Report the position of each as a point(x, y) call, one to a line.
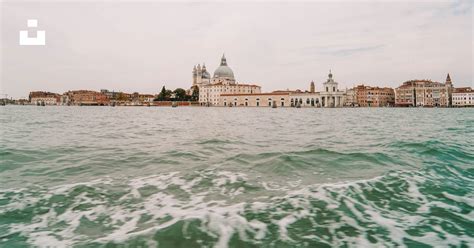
point(140, 46)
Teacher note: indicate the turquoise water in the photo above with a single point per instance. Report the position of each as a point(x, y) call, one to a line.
point(236, 177)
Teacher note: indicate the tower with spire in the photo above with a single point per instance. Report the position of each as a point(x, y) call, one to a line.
point(311, 87)
point(449, 86)
point(201, 75)
point(448, 81)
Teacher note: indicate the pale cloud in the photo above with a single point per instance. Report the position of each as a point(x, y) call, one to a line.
point(139, 46)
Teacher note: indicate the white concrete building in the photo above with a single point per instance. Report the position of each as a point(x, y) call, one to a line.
point(305, 99)
point(279, 99)
point(330, 95)
point(43, 98)
point(223, 82)
point(463, 97)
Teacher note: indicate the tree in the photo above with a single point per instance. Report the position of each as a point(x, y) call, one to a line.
point(195, 94)
point(180, 94)
point(164, 95)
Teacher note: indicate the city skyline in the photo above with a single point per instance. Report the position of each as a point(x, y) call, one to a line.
point(286, 46)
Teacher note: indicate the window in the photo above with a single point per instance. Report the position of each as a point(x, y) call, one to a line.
point(327, 88)
point(333, 88)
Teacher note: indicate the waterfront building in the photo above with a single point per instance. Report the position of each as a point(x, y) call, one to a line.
point(42, 97)
point(64, 100)
point(309, 98)
point(463, 97)
point(424, 93)
point(368, 96)
point(351, 99)
point(280, 99)
point(331, 96)
point(111, 95)
point(86, 97)
point(223, 82)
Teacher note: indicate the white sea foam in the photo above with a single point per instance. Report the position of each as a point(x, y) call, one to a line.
point(223, 219)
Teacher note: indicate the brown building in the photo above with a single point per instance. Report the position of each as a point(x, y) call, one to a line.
point(424, 93)
point(368, 96)
point(86, 97)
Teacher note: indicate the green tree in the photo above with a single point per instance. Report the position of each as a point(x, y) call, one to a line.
point(180, 94)
point(195, 94)
point(164, 95)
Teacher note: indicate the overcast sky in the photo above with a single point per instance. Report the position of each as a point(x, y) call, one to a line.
point(130, 46)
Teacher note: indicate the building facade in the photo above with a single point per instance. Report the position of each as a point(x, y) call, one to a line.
point(43, 98)
point(368, 96)
point(223, 82)
point(331, 96)
point(463, 97)
point(305, 99)
point(86, 97)
point(279, 99)
point(351, 99)
point(424, 93)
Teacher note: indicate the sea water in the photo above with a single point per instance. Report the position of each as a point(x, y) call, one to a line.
point(236, 177)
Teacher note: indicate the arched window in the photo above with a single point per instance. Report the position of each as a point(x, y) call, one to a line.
point(307, 100)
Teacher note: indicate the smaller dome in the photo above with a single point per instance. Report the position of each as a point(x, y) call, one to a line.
point(205, 74)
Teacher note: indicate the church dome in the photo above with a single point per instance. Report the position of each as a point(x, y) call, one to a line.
point(206, 75)
point(224, 71)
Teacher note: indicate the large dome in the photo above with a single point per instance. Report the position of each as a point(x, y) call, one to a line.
point(224, 71)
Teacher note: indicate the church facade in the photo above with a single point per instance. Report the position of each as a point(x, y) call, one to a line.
point(222, 82)
point(329, 96)
point(222, 90)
